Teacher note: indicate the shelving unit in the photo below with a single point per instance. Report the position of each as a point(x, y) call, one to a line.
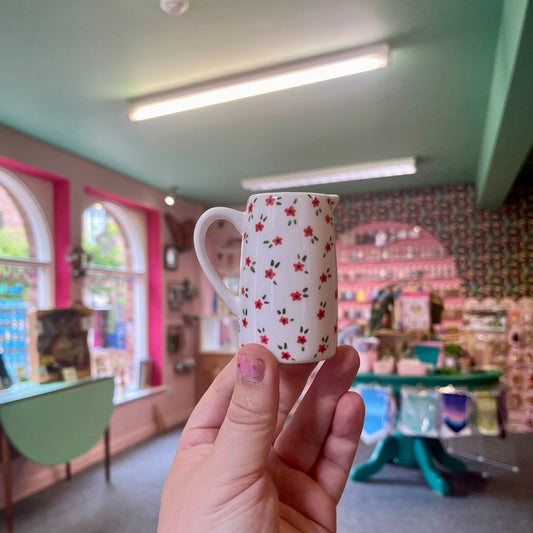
point(382, 253)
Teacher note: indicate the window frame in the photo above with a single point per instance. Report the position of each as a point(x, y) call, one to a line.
point(154, 273)
point(131, 228)
point(43, 260)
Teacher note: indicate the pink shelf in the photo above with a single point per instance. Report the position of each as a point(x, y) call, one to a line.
point(429, 259)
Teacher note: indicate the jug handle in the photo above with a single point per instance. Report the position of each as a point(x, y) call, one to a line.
point(212, 215)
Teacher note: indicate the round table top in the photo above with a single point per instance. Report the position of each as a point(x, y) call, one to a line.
point(471, 380)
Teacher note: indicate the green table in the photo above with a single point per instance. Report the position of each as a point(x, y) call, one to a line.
point(414, 451)
point(54, 423)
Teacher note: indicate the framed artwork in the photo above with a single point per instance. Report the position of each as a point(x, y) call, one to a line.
point(175, 296)
point(170, 257)
point(61, 342)
point(175, 338)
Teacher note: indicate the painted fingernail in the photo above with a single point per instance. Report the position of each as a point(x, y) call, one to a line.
point(252, 369)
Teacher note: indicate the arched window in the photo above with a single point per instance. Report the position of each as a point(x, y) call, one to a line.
point(115, 288)
point(25, 270)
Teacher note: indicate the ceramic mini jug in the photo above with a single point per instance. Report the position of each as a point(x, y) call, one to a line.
point(287, 297)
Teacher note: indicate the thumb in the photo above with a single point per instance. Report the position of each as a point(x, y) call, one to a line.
point(245, 437)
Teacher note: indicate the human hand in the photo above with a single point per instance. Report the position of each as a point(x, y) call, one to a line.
point(239, 468)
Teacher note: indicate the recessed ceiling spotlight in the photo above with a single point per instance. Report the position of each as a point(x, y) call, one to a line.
point(170, 198)
point(174, 7)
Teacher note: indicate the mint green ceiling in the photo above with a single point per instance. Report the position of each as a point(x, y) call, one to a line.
point(68, 69)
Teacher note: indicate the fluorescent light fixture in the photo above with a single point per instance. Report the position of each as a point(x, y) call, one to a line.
point(280, 77)
point(364, 171)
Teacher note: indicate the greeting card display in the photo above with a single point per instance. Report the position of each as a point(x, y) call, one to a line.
point(415, 311)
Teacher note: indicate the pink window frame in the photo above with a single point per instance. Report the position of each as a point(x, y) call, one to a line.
point(61, 239)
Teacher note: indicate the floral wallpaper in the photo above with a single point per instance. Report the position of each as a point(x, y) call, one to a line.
point(493, 249)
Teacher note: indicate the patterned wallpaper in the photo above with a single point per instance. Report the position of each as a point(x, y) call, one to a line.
point(493, 249)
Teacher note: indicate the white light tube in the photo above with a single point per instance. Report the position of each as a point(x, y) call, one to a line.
point(364, 171)
point(286, 76)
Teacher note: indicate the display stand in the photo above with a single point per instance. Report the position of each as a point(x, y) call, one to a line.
point(418, 451)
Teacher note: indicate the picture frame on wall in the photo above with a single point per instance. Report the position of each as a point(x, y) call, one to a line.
point(170, 257)
point(175, 296)
point(175, 338)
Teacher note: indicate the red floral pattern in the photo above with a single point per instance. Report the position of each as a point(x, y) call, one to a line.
point(270, 274)
point(295, 300)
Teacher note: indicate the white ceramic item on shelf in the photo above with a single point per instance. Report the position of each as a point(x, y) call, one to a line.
point(287, 297)
point(412, 367)
point(384, 366)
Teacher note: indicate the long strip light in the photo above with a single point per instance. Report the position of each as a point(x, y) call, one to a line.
point(364, 171)
point(280, 77)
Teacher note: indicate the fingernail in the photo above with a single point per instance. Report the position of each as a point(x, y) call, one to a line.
point(252, 369)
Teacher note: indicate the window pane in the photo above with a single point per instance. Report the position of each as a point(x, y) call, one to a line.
point(111, 339)
point(14, 240)
point(18, 293)
point(104, 239)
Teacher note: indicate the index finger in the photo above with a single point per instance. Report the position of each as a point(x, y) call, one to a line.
point(293, 379)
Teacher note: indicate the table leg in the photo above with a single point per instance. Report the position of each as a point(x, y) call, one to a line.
point(384, 452)
point(68, 471)
point(424, 457)
point(6, 462)
point(451, 463)
point(107, 460)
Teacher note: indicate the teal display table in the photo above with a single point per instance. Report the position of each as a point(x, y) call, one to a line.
point(414, 451)
point(54, 423)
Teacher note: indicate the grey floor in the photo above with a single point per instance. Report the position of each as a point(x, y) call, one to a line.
point(395, 500)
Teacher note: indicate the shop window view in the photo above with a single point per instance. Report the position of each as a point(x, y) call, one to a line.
point(114, 289)
point(24, 274)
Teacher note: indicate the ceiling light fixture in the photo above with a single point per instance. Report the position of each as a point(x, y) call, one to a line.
point(174, 7)
point(170, 198)
point(364, 171)
point(280, 77)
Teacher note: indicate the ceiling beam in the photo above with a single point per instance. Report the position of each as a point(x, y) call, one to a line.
point(508, 131)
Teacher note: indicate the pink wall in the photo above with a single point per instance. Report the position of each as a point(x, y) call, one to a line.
point(132, 421)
